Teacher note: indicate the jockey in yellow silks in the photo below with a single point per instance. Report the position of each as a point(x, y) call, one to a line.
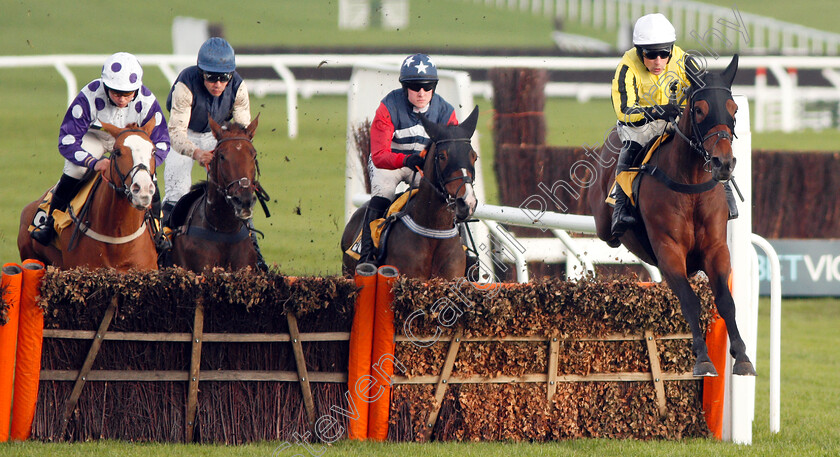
point(644, 80)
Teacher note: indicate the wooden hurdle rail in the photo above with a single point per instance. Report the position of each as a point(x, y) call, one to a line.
point(194, 375)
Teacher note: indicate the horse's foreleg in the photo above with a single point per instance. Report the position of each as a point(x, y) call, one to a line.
point(719, 281)
point(673, 269)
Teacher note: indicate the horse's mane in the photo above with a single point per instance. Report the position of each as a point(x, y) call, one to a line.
point(202, 185)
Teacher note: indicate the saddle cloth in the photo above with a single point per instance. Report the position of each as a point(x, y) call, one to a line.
point(62, 218)
point(627, 181)
point(378, 226)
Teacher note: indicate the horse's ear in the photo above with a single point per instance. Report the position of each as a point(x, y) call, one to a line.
point(252, 127)
point(110, 128)
point(728, 75)
point(470, 123)
point(215, 127)
point(434, 130)
point(693, 71)
point(149, 126)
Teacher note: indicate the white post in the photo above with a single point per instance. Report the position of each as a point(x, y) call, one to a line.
point(775, 331)
point(291, 97)
point(787, 103)
point(739, 404)
point(761, 98)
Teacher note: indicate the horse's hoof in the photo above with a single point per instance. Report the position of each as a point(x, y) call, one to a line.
point(705, 369)
point(744, 368)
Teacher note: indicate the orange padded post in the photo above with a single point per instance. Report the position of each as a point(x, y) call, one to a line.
point(28, 362)
point(382, 356)
point(10, 285)
point(713, 388)
point(361, 346)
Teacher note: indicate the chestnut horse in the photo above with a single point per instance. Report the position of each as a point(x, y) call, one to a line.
point(682, 207)
point(113, 232)
point(211, 228)
point(425, 241)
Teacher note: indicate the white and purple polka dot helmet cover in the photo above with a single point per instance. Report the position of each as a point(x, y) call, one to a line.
point(122, 72)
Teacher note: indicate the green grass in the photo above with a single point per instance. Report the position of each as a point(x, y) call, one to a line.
point(810, 413)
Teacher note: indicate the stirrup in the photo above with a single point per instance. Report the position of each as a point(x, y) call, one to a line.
point(43, 236)
point(45, 232)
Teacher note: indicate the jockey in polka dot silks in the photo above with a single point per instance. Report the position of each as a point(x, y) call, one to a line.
point(397, 138)
point(118, 97)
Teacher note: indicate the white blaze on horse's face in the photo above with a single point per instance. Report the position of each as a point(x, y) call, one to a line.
point(142, 186)
point(466, 202)
point(469, 193)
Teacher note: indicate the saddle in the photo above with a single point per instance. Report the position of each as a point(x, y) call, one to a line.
point(182, 214)
point(628, 181)
point(380, 228)
point(63, 219)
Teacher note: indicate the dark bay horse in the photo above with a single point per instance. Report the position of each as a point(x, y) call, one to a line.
point(211, 222)
point(682, 227)
point(425, 243)
point(113, 232)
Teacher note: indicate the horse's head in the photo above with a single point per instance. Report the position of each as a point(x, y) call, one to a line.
point(452, 166)
point(234, 168)
point(712, 116)
point(133, 162)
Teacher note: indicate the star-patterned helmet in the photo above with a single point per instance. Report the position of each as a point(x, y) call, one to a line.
point(418, 68)
point(122, 72)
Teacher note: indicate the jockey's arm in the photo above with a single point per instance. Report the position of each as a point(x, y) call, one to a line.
point(381, 133)
point(179, 120)
point(77, 121)
point(160, 134)
point(242, 106)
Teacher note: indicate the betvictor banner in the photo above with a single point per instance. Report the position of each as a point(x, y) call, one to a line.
point(809, 267)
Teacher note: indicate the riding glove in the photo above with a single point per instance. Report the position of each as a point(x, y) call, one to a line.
point(665, 112)
point(414, 161)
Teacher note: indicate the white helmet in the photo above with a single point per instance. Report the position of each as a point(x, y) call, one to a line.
point(654, 29)
point(122, 72)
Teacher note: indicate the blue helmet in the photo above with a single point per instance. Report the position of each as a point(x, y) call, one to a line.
point(216, 56)
point(418, 67)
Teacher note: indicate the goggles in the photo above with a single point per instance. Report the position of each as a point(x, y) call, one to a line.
point(656, 53)
point(416, 86)
point(217, 77)
point(119, 93)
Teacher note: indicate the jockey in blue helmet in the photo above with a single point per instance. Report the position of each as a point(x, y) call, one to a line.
point(211, 88)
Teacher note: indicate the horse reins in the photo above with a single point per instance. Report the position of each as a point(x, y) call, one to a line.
point(123, 191)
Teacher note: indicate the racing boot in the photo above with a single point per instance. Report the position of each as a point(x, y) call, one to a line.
point(162, 243)
point(375, 210)
point(622, 217)
point(166, 209)
point(64, 191)
point(730, 200)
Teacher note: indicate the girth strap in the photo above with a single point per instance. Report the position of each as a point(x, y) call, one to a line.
point(220, 237)
point(675, 186)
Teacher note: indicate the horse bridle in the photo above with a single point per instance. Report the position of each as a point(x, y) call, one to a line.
point(699, 146)
point(242, 183)
point(440, 185)
point(123, 189)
